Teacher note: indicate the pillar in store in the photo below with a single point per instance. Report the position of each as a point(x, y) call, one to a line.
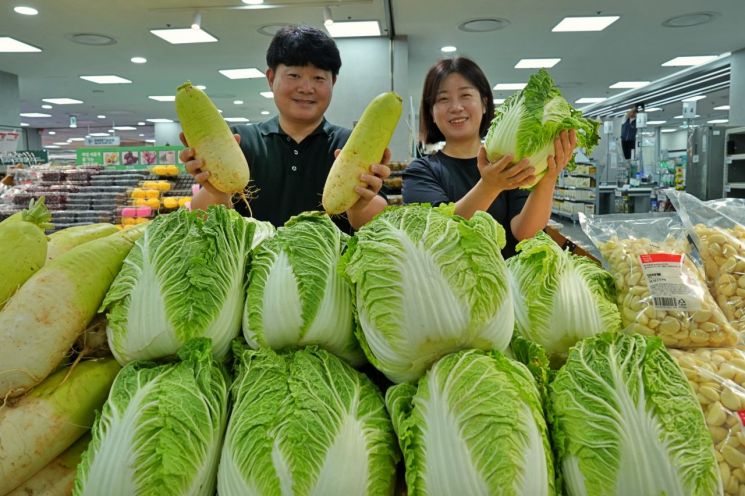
point(737, 89)
point(10, 100)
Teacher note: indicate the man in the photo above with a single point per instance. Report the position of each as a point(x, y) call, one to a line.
point(290, 155)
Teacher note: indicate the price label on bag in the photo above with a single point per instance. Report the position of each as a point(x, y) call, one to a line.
point(670, 287)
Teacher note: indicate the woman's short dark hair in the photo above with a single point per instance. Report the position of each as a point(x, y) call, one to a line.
point(436, 75)
point(303, 45)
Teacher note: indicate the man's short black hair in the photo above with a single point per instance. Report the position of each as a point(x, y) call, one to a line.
point(303, 45)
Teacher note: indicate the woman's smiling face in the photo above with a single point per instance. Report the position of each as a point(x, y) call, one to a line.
point(458, 109)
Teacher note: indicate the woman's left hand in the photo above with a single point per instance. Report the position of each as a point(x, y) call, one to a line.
point(564, 146)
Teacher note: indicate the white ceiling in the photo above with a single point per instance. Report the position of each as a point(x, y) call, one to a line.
point(631, 49)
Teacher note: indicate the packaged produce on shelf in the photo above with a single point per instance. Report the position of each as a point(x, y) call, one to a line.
point(48, 420)
point(160, 430)
point(428, 283)
point(23, 247)
point(718, 379)
point(183, 279)
point(474, 424)
point(305, 423)
point(560, 298)
point(625, 421)
point(719, 235)
point(165, 170)
point(296, 295)
point(49, 312)
point(660, 291)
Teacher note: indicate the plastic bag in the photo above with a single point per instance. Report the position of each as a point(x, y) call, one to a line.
point(720, 240)
point(660, 291)
point(718, 379)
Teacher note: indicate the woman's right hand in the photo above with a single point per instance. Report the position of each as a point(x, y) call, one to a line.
point(503, 175)
point(194, 165)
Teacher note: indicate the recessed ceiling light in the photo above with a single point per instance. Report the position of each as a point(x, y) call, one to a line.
point(182, 36)
point(107, 79)
point(61, 101)
point(595, 23)
point(629, 84)
point(163, 98)
point(125, 128)
point(141, 123)
point(653, 109)
point(11, 45)
point(689, 20)
point(91, 39)
point(45, 106)
point(52, 133)
point(499, 101)
point(238, 102)
point(266, 94)
point(138, 60)
point(693, 98)
point(265, 112)
point(448, 49)
point(101, 116)
point(29, 11)
point(590, 100)
point(24, 124)
point(509, 86)
point(248, 73)
point(236, 119)
point(718, 121)
point(668, 130)
point(159, 120)
point(200, 87)
point(689, 61)
point(97, 135)
point(655, 123)
point(483, 24)
point(353, 29)
point(722, 107)
point(33, 114)
point(536, 63)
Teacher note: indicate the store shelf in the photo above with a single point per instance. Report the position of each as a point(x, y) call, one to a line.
point(576, 200)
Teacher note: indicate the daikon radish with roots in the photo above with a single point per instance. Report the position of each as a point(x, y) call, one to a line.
point(65, 240)
point(44, 318)
point(365, 147)
point(49, 419)
point(209, 135)
point(23, 247)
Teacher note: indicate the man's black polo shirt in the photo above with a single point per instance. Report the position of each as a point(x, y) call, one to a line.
point(288, 177)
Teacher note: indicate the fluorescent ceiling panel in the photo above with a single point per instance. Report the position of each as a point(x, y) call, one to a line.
point(159, 120)
point(163, 98)
point(509, 86)
point(629, 84)
point(106, 79)
point(182, 36)
point(247, 73)
point(590, 100)
point(722, 107)
point(267, 94)
point(574, 24)
point(353, 29)
point(61, 101)
point(125, 128)
point(694, 98)
point(236, 119)
point(536, 63)
point(11, 45)
point(34, 114)
point(689, 61)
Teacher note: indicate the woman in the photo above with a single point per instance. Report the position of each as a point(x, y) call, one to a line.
point(457, 108)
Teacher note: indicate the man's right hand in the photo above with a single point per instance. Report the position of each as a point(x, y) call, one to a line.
point(194, 165)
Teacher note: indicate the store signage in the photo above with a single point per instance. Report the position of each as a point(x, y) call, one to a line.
point(102, 140)
point(689, 110)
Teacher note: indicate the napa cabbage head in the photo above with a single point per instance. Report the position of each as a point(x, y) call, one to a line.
point(305, 423)
point(474, 424)
point(184, 278)
point(428, 283)
point(626, 422)
point(296, 295)
point(528, 122)
point(560, 298)
point(160, 430)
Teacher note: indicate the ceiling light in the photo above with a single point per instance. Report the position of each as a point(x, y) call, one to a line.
point(149, 141)
point(590, 100)
point(689, 20)
point(328, 20)
point(689, 61)
point(253, 2)
point(722, 107)
point(238, 102)
point(25, 10)
point(61, 143)
point(200, 87)
point(141, 123)
point(653, 109)
point(159, 120)
point(108, 79)
point(8, 45)
point(718, 121)
point(483, 24)
point(76, 139)
point(629, 84)
point(33, 114)
point(536, 63)
point(61, 101)
point(52, 146)
point(499, 101)
point(197, 22)
point(693, 98)
point(140, 134)
point(91, 39)
point(111, 130)
point(163, 98)
point(249, 73)
point(595, 23)
point(138, 60)
point(236, 119)
point(52, 133)
point(655, 123)
point(353, 29)
point(24, 124)
point(97, 135)
point(265, 112)
point(668, 130)
point(448, 49)
point(509, 86)
point(101, 116)
point(681, 117)
point(45, 106)
point(125, 128)
point(266, 94)
point(180, 36)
